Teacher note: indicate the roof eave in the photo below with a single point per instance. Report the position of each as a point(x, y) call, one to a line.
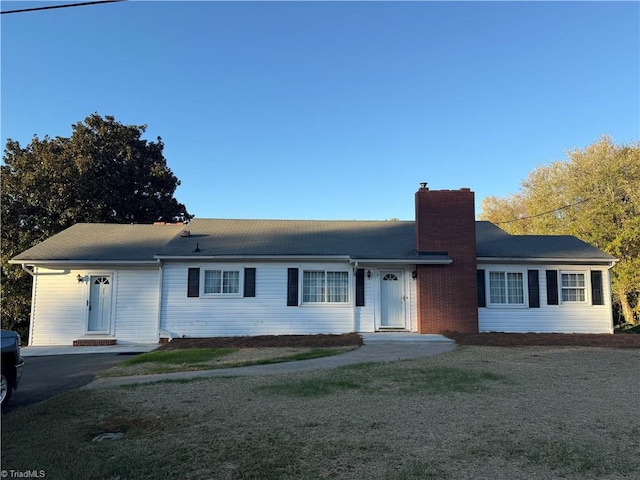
point(412, 261)
point(550, 260)
point(190, 258)
point(82, 262)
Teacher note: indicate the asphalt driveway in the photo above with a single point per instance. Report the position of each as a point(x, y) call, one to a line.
point(46, 376)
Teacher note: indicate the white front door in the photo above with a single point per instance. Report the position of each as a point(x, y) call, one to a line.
point(99, 304)
point(392, 299)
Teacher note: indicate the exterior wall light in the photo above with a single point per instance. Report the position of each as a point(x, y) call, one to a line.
point(368, 273)
point(80, 278)
point(414, 274)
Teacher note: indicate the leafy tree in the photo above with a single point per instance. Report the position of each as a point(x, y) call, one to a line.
point(104, 172)
point(595, 195)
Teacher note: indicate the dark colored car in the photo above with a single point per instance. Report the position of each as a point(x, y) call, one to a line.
point(12, 364)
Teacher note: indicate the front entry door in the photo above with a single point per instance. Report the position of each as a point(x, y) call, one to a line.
point(392, 299)
point(99, 304)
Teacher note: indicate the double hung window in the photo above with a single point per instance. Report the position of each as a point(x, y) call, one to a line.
point(506, 288)
point(573, 287)
point(321, 286)
point(221, 282)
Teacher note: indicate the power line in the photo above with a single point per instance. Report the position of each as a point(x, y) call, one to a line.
point(544, 213)
point(50, 7)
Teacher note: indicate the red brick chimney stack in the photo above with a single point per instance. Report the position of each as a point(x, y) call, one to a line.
point(445, 223)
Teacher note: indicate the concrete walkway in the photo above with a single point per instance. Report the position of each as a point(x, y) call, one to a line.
point(69, 350)
point(378, 347)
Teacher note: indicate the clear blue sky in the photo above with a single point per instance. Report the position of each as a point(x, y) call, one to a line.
point(331, 110)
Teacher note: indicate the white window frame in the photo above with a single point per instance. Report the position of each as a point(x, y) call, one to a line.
point(507, 303)
point(585, 287)
point(325, 292)
point(222, 270)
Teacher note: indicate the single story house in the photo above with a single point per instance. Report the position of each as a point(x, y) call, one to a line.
point(98, 284)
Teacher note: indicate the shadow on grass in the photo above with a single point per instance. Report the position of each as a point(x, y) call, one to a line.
point(386, 378)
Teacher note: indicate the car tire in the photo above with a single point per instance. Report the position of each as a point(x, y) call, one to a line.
point(6, 387)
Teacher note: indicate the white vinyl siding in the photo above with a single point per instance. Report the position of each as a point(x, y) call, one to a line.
point(571, 317)
point(60, 315)
point(365, 315)
point(265, 314)
point(136, 314)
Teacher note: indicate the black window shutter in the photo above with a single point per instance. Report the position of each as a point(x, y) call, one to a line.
point(249, 282)
point(534, 288)
point(482, 296)
point(193, 283)
point(292, 287)
point(360, 287)
point(597, 297)
point(552, 287)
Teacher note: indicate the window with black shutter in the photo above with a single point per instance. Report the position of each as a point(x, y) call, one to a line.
point(552, 287)
point(534, 288)
point(249, 282)
point(597, 295)
point(482, 295)
point(193, 282)
point(292, 287)
point(360, 287)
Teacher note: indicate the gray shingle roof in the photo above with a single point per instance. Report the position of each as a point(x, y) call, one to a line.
point(492, 241)
point(357, 239)
point(383, 240)
point(103, 242)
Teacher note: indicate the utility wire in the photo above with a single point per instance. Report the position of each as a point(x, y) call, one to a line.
point(544, 213)
point(60, 6)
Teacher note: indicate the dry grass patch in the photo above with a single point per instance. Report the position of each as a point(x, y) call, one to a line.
point(538, 413)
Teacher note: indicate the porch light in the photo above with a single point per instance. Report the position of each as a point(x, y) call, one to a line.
point(414, 274)
point(80, 278)
point(368, 273)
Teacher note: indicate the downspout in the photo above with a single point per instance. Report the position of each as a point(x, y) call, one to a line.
point(30, 272)
point(353, 298)
point(611, 265)
point(160, 287)
point(33, 300)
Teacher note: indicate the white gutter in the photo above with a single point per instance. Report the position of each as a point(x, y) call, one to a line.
point(83, 262)
point(412, 261)
point(306, 258)
point(191, 258)
point(572, 260)
point(26, 269)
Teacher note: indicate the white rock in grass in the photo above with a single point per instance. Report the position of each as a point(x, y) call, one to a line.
point(108, 436)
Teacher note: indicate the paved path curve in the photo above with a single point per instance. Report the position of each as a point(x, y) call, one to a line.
point(376, 348)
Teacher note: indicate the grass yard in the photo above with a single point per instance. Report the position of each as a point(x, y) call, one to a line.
point(473, 413)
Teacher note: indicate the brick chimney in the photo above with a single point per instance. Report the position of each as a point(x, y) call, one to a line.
point(445, 223)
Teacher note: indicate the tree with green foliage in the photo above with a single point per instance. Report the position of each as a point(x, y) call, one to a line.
point(104, 172)
point(595, 195)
